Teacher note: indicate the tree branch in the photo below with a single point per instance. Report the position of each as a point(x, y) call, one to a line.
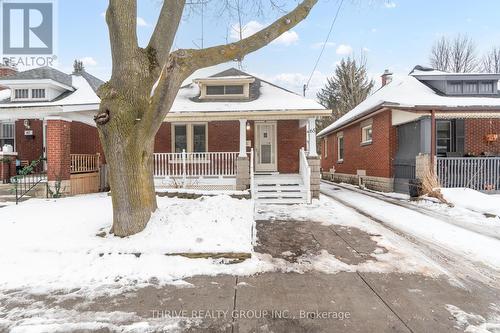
point(121, 17)
point(166, 28)
point(184, 62)
point(219, 54)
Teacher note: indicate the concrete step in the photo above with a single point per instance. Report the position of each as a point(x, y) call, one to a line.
point(280, 201)
point(280, 188)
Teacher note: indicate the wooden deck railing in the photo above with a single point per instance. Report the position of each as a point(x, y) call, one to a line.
point(195, 164)
point(478, 173)
point(81, 163)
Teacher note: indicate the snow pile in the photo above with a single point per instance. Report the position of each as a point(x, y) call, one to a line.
point(53, 243)
point(473, 200)
point(474, 323)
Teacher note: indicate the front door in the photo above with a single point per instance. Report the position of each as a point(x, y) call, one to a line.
point(265, 147)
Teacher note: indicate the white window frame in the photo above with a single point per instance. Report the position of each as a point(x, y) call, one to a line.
point(190, 136)
point(39, 90)
point(340, 137)
point(246, 91)
point(325, 145)
point(14, 94)
point(13, 137)
point(364, 134)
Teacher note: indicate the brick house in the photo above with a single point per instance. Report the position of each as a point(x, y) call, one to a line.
point(428, 120)
point(226, 131)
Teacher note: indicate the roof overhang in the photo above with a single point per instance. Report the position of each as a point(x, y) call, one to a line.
point(16, 83)
point(224, 80)
point(248, 115)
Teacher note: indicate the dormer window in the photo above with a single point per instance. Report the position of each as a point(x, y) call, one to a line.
point(225, 90)
point(22, 93)
point(37, 93)
point(235, 87)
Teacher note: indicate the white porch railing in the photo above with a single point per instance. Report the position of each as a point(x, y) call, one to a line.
point(195, 164)
point(81, 163)
point(305, 173)
point(252, 175)
point(478, 173)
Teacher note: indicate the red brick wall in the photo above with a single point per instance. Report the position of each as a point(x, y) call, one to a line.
point(163, 139)
point(291, 137)
point(29, 148)
point(375, 158)
point(224, 136)
point(475, 131)
point(85, 140)
point(58, 149)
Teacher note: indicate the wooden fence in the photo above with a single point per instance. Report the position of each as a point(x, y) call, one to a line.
point(81, 163)
point(478, 173)
point(85, 176)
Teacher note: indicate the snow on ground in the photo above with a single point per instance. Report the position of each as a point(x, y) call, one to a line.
point(475, 246)
point(394, 254)
point(52, 244)
point(474, 323)
point(473, 200)
point(459, 214)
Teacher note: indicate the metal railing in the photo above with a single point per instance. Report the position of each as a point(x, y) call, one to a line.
point(195, 164)
point(305, 173)
point(29, 178)
point(478, 173)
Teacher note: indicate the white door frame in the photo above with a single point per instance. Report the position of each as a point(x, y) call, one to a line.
point(266, 167)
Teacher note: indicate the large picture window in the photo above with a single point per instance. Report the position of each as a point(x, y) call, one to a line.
point(189, 137)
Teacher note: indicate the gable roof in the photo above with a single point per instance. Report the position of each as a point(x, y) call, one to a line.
point(265, 96)
point(409, 92)
point(42, 73)
point(83, 88)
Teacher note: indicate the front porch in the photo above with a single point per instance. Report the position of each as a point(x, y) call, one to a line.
point(267, 149)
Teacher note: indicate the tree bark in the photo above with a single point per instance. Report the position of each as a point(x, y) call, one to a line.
point(141, 91)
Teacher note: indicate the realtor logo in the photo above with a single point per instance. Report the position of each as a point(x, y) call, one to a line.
point(27, 28)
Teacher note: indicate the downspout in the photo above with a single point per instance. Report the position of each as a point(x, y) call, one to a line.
point(433, 136)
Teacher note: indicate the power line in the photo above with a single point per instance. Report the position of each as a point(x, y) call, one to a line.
point(324, 46)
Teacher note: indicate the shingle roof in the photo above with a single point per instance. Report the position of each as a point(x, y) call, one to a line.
point(40, 74)
point(94, 82)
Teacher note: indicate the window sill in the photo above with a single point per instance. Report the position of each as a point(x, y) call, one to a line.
point(366, 143)
point(340, 161)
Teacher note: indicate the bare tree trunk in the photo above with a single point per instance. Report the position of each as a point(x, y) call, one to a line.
point(143, 86)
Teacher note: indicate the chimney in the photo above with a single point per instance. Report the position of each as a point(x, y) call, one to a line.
point(386, 77)
point(6, 70)
point(78, 67)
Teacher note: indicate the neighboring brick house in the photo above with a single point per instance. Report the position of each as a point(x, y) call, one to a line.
point(427, 118)
point(216, 127)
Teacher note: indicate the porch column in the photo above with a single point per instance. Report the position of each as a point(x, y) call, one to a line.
point(59, 154)
point(243, 163)
point(243, 138)
point(311, 133)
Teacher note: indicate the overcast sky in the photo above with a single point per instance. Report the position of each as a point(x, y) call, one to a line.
point(393, 34)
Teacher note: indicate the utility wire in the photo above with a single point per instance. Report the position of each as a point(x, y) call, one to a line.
point(324, 46)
